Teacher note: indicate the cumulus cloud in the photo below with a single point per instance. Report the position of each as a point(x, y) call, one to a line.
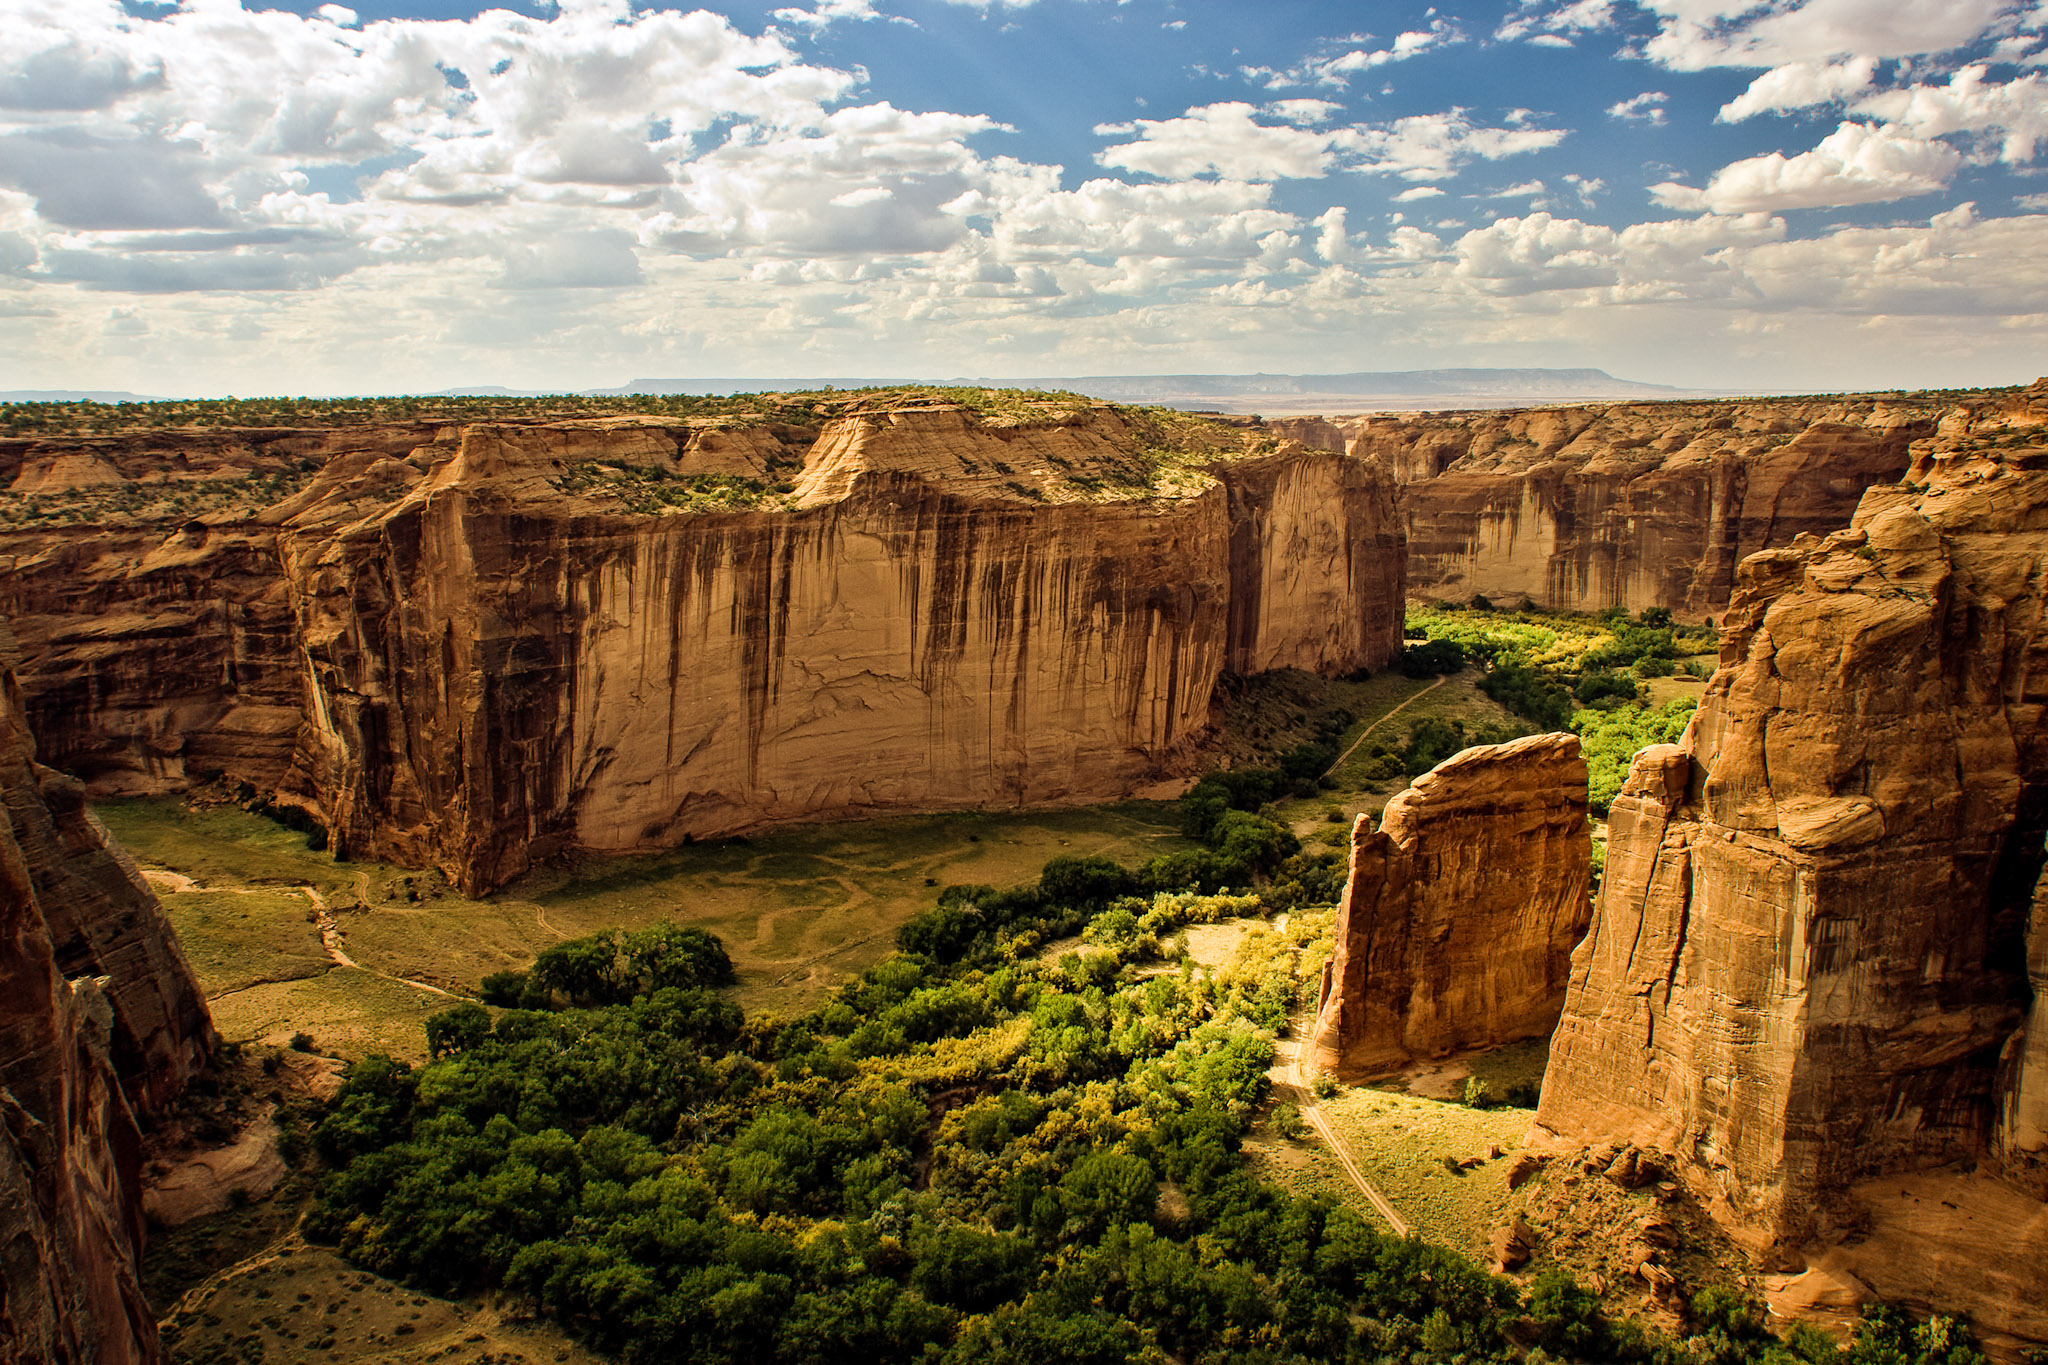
point(1694, 35)
point(1338, 68)
point(1856, 164)
point(1220, 139)
point(1546, 23)
point(1800, 85)
point(1647, 107)
point(2015, 111)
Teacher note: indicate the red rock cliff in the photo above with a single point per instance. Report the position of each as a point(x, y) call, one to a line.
point(497, 652)
point(1630, 504)
point(80, 1059)
point(1461, 910)
point(1809, 965)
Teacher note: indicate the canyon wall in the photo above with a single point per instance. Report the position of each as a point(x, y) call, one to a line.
point(101, 1026)
point(492, 644)
point(1460, 912)
point(1635, 505)
point(1809, 966)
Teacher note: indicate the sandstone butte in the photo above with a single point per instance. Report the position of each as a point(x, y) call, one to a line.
point(1461, 911)
point(1815, 972)
point(468, 645)
point(1585, 507)
point(101, 1025)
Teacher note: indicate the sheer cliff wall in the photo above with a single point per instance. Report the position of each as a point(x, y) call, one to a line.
point(101, 1026)
point(1809, 967)
point(470, 654)
point(1634, 505)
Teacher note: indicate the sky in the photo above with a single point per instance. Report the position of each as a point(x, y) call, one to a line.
point(208, 197)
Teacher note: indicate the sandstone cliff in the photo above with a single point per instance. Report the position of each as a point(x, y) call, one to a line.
point(80, 1059)
point(1629, 504)
point(1461, 910)
point(512, 637)
point(1809, 964)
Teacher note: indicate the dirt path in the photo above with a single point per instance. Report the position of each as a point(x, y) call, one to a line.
point(1382, 721)
point(1312, 1112)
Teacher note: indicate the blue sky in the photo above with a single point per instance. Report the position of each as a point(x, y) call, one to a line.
point(204, 197)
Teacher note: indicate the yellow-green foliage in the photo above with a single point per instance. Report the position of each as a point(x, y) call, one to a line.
point(1610, 739)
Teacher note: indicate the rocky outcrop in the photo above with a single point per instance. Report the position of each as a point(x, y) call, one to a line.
point(517, 637)
point(1632, 504)
point(1461, 910)
point(1809, 964)
point(80, 1060)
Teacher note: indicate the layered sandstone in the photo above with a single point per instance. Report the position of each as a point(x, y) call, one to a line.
point(1461, 911)
point(516, 637)
point(80, 1060)
point(1634, 505)
point(1809, 965)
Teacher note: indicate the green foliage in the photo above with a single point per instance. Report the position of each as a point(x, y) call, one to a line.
point(955, 1159)
point(1432, 658)
point(1610, 739)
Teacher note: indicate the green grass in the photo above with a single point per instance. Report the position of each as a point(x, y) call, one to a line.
point(1400, 1142)
point(800, 910)
point(237, 939)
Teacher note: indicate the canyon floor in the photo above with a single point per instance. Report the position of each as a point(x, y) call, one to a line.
point(346, 959)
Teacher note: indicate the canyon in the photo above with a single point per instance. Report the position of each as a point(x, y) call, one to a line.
point(475, 646)
point(1813, 977)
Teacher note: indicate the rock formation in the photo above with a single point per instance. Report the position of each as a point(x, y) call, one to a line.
point(1460, 912)
point(1809, 965)
point(80, 1060)
point(515, 637)
point(1628, 504)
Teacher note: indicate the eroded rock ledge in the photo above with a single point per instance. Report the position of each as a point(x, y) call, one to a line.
point(1461, 911)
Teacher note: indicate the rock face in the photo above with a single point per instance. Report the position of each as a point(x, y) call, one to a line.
point(1629, 504)
point(80, 1060)
point(1461, 910)
point(492, 644)
point(1809, 965)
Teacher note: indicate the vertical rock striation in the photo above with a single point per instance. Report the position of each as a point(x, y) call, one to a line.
point(80, 1059)
point(1810, 961)
point(494, 674)
point(508, 638)
point(1460, 912)
point(1634, 505)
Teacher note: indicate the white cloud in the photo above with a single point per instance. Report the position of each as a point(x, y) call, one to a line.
point(1222, 139)
point(828, 12)
point(1545, 22)
point(1800, 85)
point(1338, 69)
point(1647, 107)
point(1419, 192)
point(1694, 35)
point(2015, 110)
point(1856, 164)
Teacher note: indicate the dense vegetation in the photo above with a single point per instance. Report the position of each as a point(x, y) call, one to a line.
point(980, 1150)
point(1559, 671)
point(807, 408)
